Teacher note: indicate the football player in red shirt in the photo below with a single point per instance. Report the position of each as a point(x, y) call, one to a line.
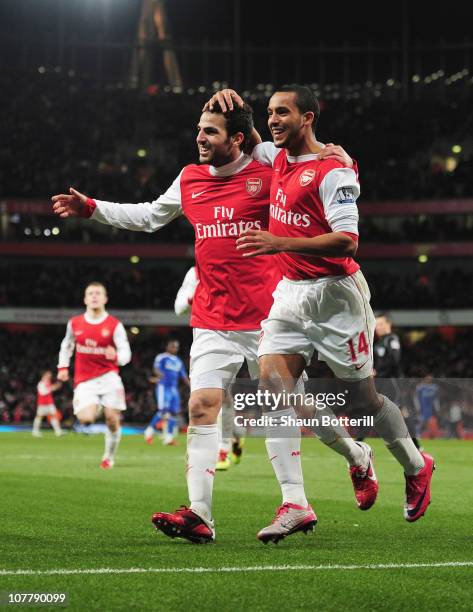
point(45, 404)
point(101, 347)
point(322, 302)
point(224, 195)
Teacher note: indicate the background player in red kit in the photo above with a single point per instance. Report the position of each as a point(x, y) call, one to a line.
point(322, 302)
point(45, 404)
point(101, 346)
point(226, 194)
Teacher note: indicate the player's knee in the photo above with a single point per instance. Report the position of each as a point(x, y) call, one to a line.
point(113, 422)
point(363, 399)
point(85, 418)
point(202, 408)
point(268, 379)
point(382, 401)
point(112, 425)
point(366, 404)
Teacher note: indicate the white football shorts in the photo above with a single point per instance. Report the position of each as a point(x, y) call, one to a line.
point(46, 410)
point(106, 390)
point(217, 356)
point(331, 315)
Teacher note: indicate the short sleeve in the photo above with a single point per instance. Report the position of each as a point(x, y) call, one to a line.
point(339, 191)
point(265, 153)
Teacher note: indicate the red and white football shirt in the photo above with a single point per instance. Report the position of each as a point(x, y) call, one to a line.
point(90, 338)
point(234, 293)
point(310, 197)
point(44, 395)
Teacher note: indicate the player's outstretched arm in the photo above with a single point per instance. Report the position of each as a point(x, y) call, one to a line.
point(144, 216)
point(73, 204)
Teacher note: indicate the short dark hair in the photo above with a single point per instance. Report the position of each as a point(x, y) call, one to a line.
point(240, 119)
point(384, 315)
point(306, 101)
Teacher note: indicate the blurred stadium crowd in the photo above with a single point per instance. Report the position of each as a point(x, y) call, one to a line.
point(154, 285)
point(29, 353)
point(70, 132)
point(44, 285)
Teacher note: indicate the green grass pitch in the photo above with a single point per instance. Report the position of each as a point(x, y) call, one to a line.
point(59, 511)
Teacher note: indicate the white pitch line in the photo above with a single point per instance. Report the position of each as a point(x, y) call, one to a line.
point(217, 570)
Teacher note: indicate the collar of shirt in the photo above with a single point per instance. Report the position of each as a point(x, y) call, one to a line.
point(297, 159)
point(93, 321)
point(232, 168)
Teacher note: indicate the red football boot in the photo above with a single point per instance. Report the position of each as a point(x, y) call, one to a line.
point(184, 523)
point(106, 464)
point(364, 481)
point(418, 490)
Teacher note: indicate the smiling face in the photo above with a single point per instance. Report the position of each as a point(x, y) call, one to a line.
point(215, 145)
point(287, 124)
point(95, 297)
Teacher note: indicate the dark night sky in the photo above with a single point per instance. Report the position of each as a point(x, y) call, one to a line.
point(309, 22)
point(262, 22)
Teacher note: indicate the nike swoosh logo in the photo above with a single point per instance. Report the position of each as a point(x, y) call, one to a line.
point(78, 333)
point(196, 195)
point(360, 366)
point(413, 511)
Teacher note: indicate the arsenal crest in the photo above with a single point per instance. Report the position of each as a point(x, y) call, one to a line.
point(306, 177)
point(254, 186)
point(105, 332)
